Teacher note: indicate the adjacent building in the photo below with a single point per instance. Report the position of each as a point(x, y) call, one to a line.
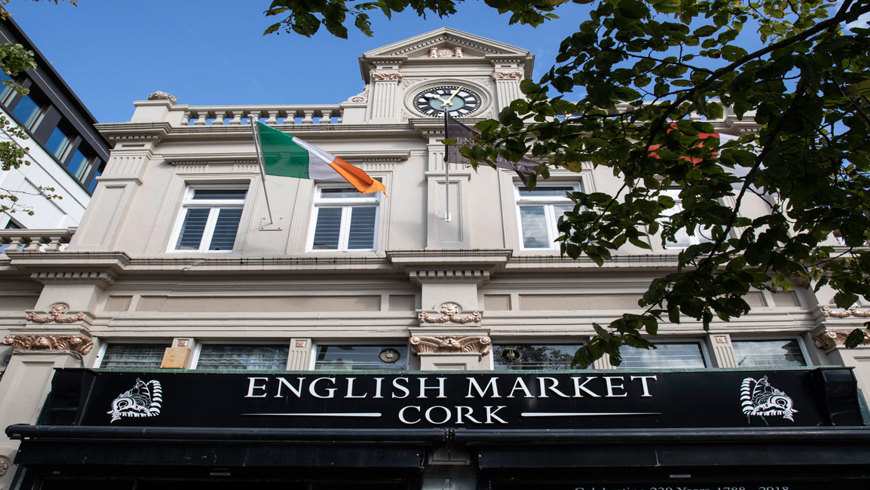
point(190, 335)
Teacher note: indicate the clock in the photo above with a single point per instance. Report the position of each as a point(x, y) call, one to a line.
point(458, 100)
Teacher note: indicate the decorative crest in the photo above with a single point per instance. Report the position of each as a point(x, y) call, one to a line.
point(450, 314)
point(161, 95)
point(55, 314)
point(477, 344)
point(74, 343)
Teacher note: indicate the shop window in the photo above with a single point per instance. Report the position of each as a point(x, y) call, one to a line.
point(344, 219)
point(131, 356)
point(682, 239)
point(248, 357)
point(768, 353)
point(362, 357)
point(520, 357)
point(209, 220)
point(664, 356)
point(539, 211)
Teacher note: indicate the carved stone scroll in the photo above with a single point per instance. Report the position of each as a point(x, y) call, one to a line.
point(75, 343)
point(852, 311)
point(507, 75)
point(450, 314)
point(830, 339)
point(477, 344)
point(161, 95)
point(386, 77)
point(55, 314)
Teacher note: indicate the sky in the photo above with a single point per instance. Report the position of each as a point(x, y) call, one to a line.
point(112, 52)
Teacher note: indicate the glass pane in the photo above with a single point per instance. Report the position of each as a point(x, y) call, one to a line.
point(59, 144)
point(93, 183)
point(534, 223)
point(534, 356)
point(133, 356)
point(545, 191)
point(5, 355)
point(77, 161)
point(358, 357)
point(255, 357)
point(764, 353)
point(362, 228)
point(327, 228)
point(339, 193)
point(27, 112)
point(235, 194)
point(191, 231)
point(4, 90)
point(664, 356)
point(225, 229)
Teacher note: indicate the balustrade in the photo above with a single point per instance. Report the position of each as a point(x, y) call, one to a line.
point(52, 240)
point(271, 115)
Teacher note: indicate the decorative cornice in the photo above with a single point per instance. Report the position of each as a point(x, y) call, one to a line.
point(450, 314)
point(161, 95)
point(55, 314)
point(833, 338)
point(846, 313)
point(451, 344)
point(74, 343)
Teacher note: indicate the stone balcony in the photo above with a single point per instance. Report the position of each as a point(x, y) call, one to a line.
point(34, 240)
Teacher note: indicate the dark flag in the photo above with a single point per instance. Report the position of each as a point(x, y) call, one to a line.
point(465, 136)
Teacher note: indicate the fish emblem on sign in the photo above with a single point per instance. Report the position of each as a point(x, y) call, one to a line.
point(143, 400)
point(760, 399)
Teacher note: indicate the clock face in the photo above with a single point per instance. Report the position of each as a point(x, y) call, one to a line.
point(459, 101)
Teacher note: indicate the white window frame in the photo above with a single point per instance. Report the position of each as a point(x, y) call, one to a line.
point(550, 215)
point(194, 361)
point(104, 345)
point(345, 203)
point(188, 202)
point(702, 346)
point(695, 238)
point(785, 336)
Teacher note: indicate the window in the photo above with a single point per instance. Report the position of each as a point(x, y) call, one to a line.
point(131, 356)
point(5, 355)
point(28, 112)
point(768, 353)
point(361, 357)
point(80, 165)
point(249, 357)
point(687, 355)
point(518, 357)
point(59, 143)
point(681, 238)
point(344, 219)
point(92, 183)
point(209, 219)
point(539, 211)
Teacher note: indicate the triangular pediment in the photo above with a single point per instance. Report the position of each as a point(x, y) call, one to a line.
point(445, 42)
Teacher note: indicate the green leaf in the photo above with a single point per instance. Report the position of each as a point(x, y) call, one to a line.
point(855, 338)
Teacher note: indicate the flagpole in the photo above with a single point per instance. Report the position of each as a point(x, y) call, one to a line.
point(446, 170)
point(262, 165)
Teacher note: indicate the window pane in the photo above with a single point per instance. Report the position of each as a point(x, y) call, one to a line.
point(327, 228)
point(362, 228)
point(4, 90)
point(254, 357)
point(534, 223)
point(534, 356)
point(225, 229)
point(191, 231)
point(59, 143)
point(358, 357)
point(664, 356)
point(547, 191)
point(336, 193)
point(765, 353)
point(235, 194)
point(93, 182)
point(5, 355)
point(77, 161)
point(27, 112)
point(133, 356)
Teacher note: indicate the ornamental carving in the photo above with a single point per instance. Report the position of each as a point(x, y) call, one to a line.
point(386, 77)
point(435, 52)
point(450, 314)
point(830, 339)
point(161, 95)
point(75, 343)
point(477, 344)
point(360, 97)
point(852, 311)
point(4, 466)
point(507, 75)
point(55, 314)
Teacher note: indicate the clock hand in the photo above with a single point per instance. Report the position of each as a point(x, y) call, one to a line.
point(447, 102)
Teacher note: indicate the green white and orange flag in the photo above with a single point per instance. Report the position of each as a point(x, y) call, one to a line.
point(288, 156)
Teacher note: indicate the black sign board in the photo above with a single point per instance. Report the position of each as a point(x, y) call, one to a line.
point(612, 399)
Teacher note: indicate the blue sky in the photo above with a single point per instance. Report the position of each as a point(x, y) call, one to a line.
point(112, 52)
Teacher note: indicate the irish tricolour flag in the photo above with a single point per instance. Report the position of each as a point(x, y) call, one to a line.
point(287, 156)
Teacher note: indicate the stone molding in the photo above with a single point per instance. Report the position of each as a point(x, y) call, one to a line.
point(56, 314)
point(103, 279)
point(161, 95)
point(74, 343)
point(507, 75)
point(451, 344)
point(834, 338)
point(450, 313)
point(845, 313)
point(387, 77)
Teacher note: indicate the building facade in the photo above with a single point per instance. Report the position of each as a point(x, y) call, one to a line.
point(192, 335)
